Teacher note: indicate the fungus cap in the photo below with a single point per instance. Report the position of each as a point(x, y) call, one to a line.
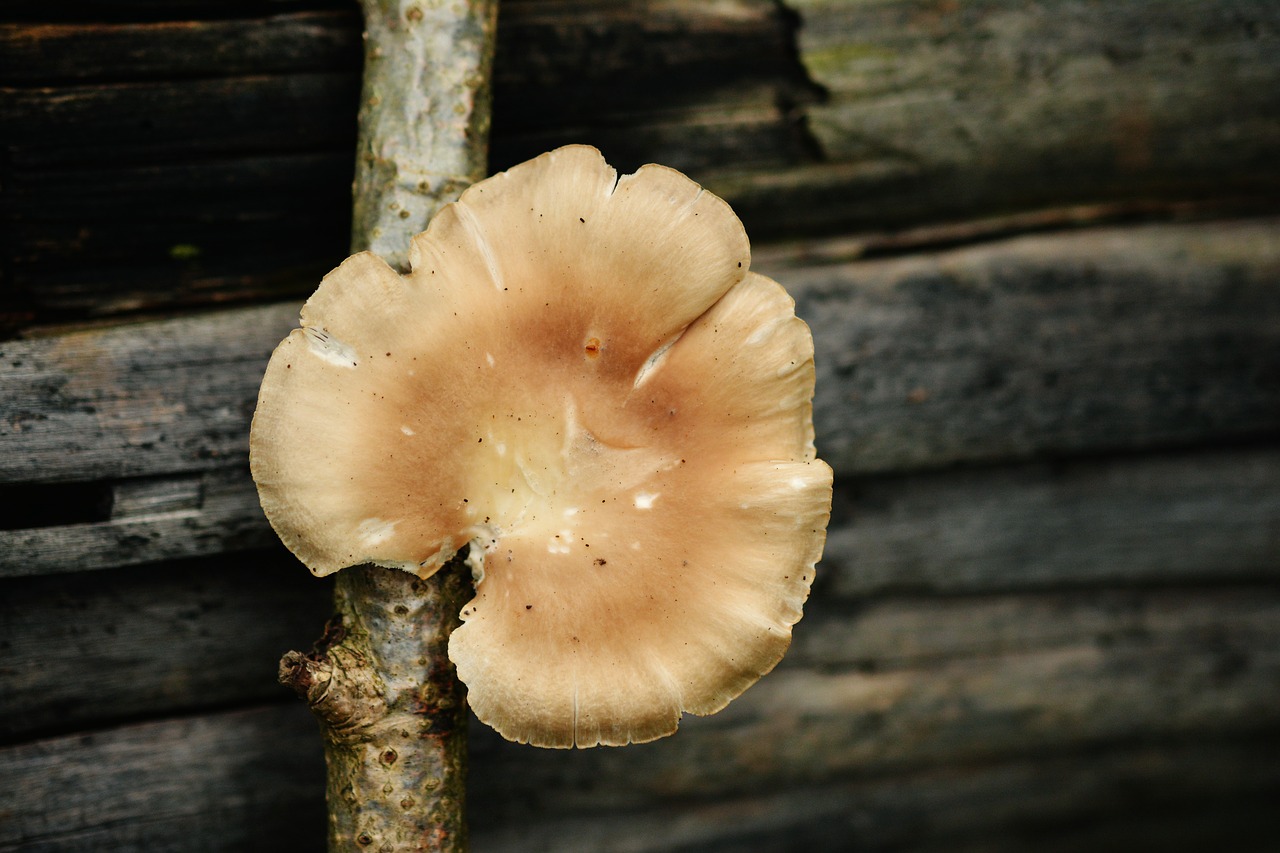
point(581, 378)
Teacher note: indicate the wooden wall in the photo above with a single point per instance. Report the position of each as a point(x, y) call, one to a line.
point(1039, 248)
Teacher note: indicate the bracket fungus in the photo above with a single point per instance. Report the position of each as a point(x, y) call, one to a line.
point(580, 379)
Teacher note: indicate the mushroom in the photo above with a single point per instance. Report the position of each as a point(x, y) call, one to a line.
point(580, 379)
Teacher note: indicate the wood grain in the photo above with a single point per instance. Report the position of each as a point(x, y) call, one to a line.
point(295, 41)
point(1097, 340)
point(181, 636)
point(1081, 342)
point(961, 107)
point(867, 117)
point(1165, 710)
point(1209, 517)
point(132, 124)
point(84, 651)
point(1048, 614)
point(145, 399)
point(262, 772)
point(801, 726)
point(242, 780)
point(178, 163)
point(221, 516)
point(1137, 798)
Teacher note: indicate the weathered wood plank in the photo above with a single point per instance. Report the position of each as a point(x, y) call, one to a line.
point(1072, 343)
point(1188, 797)
point(250, 607)
point(250, 187)
point(146, 399)
point(94, 11)
point(252, 781)
point(82, 651)
point(948, 109)
point(1141, 514)
point(901, 682)
point(130, 124)
point(141, 250)
point(744, 125)
point(1096, 340)
point(246, 780)
point(564, 55)
point(269, 227)
point(915, 632)
point(567, 62)
point(1210, 517)
point(175, 234)
point(218, 513)
point(880, 198)
point(801, 726)
point(301, 41)
point(593, 65)
point(179, 263)
point(714, 89)
point(1181, 518)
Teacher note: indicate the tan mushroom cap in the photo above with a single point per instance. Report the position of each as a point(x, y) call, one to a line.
point(581, 377)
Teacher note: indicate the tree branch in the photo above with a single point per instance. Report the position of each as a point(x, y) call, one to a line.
point(380, 682)
point(424, 116)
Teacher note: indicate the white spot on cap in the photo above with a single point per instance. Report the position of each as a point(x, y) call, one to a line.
point(489, 358)
point(407, 431)
point(375, 531)
point(571, 512)
point(654, 361)
point(797, 483)
point(329, 348)
point(644, 500)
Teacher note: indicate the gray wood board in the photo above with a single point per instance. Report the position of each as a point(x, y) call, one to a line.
point(1080, 544)
point(97, 11)
point(287, 82)
point(1078, 342)
point(1167, 797)
point(917, 632)
point(51, 54)
point(965, 111)
point(252, 780)
point(209, 513)
point(85, 650)
point(244, 780)
point(146, 399)
point(1098, 340)
point(802, 725)
point(81, 651)
point(1210, 517)
point(955, 107)
point(132, 124)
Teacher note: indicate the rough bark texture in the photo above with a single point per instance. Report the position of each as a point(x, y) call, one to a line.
point(393, 712)
point(424, 116)
point(388, 699)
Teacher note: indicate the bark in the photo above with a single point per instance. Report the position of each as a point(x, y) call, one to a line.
point(392, 710)
point(381, 683)
point(424, 116)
